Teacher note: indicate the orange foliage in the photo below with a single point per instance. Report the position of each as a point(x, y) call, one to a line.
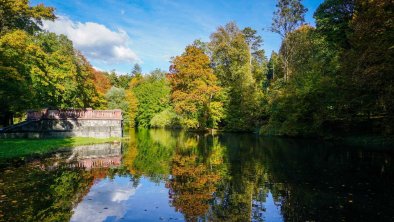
point(101, 81)
point(194, 87)
point(131, 154)
point(192, 186)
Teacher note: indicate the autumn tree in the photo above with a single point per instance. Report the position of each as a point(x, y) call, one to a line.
point(14, 83)
point(195, 92)
point(101, 82)
point(15, 74)
point(133, 107)
point(18, 14)
point(195, 176)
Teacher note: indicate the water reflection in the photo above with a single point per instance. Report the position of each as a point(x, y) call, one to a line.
point(159, 175)
point(97, 156)
point(196, 169)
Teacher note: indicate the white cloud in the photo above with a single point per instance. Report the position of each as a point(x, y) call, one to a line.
point(105, 199)
point(122, 194)
point(95, 40)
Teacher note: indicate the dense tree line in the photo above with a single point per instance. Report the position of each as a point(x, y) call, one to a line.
point(336, 77)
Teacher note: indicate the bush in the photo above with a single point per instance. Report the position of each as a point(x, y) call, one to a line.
point(165, 119)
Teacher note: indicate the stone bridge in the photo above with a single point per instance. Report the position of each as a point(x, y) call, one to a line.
point(54, 123)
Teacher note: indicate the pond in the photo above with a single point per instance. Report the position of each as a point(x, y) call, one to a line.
point(159, 175)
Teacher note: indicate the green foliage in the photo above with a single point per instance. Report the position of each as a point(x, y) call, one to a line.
point(133, 107)
point(165, 119)
point(17, 14)
point(149, 153)
point(39, 69)
point(65, 191)
point(231, 57)
point(38, 194)
point(333, 19)
point(48, 67)
point(136, 70)
point(258, 61)
point(13, 87)
point(119, 80)
point(152, 92)
point(274, 67)
point(288, 16)
point(67, 80)
point(367, 67)
point(299, 106)
point(116, 98)
point(337, 75)
point(17, 53)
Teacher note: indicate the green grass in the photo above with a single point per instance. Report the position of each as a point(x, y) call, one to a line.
point(13, 148)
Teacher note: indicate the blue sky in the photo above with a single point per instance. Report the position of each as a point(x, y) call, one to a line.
point(115, 34)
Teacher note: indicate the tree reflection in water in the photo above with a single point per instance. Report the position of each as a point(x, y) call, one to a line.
point(225, 177)
point(35, 192)
point(194, 176)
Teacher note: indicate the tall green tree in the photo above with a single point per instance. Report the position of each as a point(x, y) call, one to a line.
point(67, 80)
point(17, 15)
point(307, 101)
point(333, 21)
point(15, 71)
point(195, 93)
point(153, 94)
point(231, 63)
point(287, 18)
point(47, 66)
point(274, 67)
point(258, 61)
point(136, 70)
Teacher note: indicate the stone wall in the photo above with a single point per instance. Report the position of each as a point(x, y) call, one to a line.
point(60, 128)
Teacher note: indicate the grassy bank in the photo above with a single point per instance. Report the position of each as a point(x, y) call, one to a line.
point(12, 148)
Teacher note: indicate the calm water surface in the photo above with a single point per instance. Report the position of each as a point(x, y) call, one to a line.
point(160, 175)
